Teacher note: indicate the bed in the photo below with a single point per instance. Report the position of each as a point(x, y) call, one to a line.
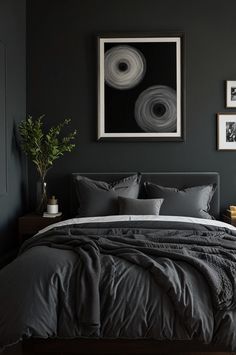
point(125, 284)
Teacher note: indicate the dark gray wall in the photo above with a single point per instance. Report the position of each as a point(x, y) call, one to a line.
point(13, 102)
point(62, 82)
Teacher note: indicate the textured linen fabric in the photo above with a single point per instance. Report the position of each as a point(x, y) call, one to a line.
point(126, 279)
point(192, 201)
point(100, 198)
point(143, 218)
point(132, 206)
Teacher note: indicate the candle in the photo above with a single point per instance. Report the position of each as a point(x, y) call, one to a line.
point(52, 206)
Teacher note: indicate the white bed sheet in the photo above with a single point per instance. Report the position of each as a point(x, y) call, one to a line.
point(117, 218)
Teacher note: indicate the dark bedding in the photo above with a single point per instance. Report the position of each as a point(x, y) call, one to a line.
point(158, 280)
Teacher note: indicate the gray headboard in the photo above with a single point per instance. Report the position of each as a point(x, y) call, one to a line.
point(179, 180)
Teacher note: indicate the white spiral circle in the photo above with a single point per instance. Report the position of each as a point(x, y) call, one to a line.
point(155, 109)
point(124, 66)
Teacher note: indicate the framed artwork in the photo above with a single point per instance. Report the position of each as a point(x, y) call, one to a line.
point(226, 131)
point(230, 93)
point(141, 88)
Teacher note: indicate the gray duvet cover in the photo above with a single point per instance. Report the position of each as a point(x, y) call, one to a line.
point(136, 279)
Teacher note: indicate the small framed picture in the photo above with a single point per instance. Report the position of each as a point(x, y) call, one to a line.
point(230, 93)
point(226, 131)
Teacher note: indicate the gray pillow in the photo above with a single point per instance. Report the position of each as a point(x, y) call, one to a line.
point(134, 206)
point(190, 202)
point(100, 198)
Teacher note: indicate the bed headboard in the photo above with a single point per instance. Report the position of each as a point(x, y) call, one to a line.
point(179, 180)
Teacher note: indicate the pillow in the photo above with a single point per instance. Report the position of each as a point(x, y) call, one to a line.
point(190, 202)
point(142, 207)
point(99, 198)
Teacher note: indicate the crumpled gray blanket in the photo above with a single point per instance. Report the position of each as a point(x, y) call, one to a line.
point(126, 280)
point(211, 254)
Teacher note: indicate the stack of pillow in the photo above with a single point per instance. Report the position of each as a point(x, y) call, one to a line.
point(99, 198)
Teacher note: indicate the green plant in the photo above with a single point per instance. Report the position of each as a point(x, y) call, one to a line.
point(44, 147)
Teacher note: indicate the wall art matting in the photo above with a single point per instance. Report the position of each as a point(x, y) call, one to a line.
point(226, 131)
point(231, 93)
point(141, 87)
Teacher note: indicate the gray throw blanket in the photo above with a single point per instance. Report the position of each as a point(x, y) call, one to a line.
point(158, 251)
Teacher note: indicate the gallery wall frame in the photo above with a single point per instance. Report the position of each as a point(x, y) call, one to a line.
point(141, 87)
point(226, 131)
point(230, 94)
point(3, 125)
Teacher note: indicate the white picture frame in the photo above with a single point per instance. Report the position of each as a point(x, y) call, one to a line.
point(110, 104)
point(226, 131)
point(230, 93)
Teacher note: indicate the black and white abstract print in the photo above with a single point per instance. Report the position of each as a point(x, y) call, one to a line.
point(141, 88)
point(230, 131)
point(155, 109)
point(233, 93)
point(125, 67)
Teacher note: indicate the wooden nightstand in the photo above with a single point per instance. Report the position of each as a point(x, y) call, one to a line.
point(31, 223)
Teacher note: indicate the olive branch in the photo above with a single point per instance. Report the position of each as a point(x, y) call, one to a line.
point(42, 147)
